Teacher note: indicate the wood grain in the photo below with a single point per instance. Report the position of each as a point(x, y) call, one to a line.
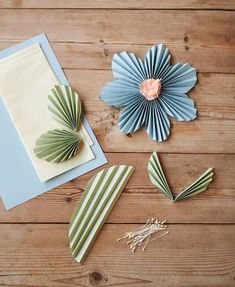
point(99, 56)
point(213, 94)
point(141, 200)
point(214, 97)
point(113, 26)
point(200, 248)
point(190, 255)
point(120, 4)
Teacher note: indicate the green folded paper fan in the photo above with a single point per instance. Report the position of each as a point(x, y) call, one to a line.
point(59, 145)
point(65, 106)
point(158, 179)
point(97, 201)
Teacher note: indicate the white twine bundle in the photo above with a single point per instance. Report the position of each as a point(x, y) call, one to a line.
point(142, 235)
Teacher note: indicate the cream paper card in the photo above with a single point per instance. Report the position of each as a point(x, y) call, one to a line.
point(26, 79)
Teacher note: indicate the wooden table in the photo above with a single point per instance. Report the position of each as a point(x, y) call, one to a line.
point(200, 248)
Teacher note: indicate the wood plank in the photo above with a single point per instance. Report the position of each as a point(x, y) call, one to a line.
point(120, 4)
point(213, 93)
point(113, 26)
point(215, 59)
point(215, 123)
point(199, 136)
point(38, 255)
point(214, 99)
point(213, 96)
point(141, 200)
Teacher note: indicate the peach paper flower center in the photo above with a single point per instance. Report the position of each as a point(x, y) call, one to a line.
point(150, 88)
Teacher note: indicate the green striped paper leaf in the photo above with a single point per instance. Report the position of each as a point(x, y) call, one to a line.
point(65, 106)
point(61, 145)
point(97, 201)
point(158, 179)
point(57, 145)
point(198, 186)
point(157, 176)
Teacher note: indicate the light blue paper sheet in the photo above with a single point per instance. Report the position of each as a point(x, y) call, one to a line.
point(18, 179)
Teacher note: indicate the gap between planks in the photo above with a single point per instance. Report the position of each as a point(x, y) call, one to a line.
point(120, 5)
point(120, 9)
point(119, 223)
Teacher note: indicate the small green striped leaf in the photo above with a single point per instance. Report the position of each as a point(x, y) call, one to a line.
point(158, 179)
point(97, 201)
point(157, 176)
point(65, 106)
point(57, 145)
point(198, 186)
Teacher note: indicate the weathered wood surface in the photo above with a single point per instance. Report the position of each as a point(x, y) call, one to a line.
point(140, 199)
point(190, 255)
point(122, 4)
point(124, 26)
point(200, 248)
point(212, 132)
point(98, 56)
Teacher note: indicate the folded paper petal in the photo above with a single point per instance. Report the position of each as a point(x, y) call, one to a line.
point(179, 78)
point(128, 67)
point(157, 60)
point(133, 116)
point(178, 106)
point(119, 93)
point(157, 123)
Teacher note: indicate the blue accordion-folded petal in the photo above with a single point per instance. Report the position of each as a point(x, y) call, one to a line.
point(118, 93)
point(178, 106)
point(157, 60)
point(179, 78)
point(133, 116)
point(157, 123)
point(128, 67)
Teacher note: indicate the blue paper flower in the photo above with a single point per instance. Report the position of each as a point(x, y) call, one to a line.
point(150, 91)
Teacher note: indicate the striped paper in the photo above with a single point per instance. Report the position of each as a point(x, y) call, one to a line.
point(158, 179)
point(97, 201)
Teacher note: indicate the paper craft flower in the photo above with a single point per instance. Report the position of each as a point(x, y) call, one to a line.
point(150, 91)
point(59, 145)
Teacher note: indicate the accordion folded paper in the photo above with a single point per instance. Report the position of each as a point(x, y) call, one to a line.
point(97, 201)
point(26, 102)
point(60, 145)
point(18, 179)
point(158, 179)
point(150, 91)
